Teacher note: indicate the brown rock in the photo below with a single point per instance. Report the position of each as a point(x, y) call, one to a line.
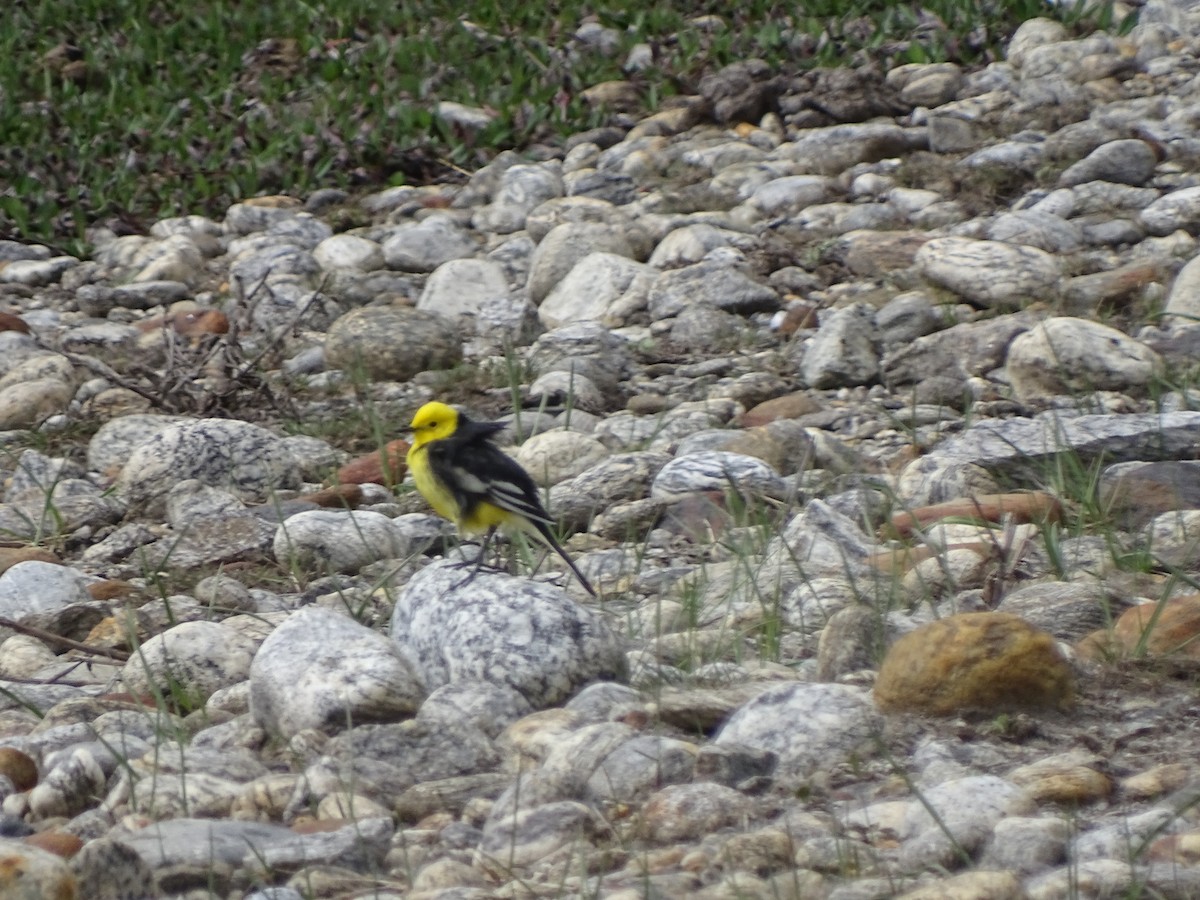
point(10, 556)
point(974, 661)
point(622, 96)
point(273, 201)
point(789, 406)
point(799, 316)
point(188, 322)
point(9, 322)
point(1074, 778)
point(1145, 630)
point(20, 768)
point(337, 497)
point(111, 589)
point(60, 843)
point(1085, 294)
point(1164, 778)
point(1022, 506)
point(372, 468)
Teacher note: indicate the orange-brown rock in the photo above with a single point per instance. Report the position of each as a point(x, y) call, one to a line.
point(1022, 506)
point(188, 322)
point(111, 589)
point(1074, 778)
point(974, 661)
point(372, 468)
point(1146, 630)
point(20, 769)
point(337, 497)
point(798, 317)
point(60, 843)
point(9, 322)
point(789, 406)
point(1165, 778)
point(10, 556)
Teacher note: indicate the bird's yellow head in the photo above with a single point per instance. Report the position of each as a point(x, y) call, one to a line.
point(433, 422)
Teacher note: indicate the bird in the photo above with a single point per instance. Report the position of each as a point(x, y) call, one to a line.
point(467, 479)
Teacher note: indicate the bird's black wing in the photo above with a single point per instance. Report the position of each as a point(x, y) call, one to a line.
point(476, 470)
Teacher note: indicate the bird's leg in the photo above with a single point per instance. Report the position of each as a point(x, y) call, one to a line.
point(479, 560)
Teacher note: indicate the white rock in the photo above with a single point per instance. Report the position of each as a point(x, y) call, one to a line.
point(423, 246)
point(716, 470)
point(226, 453)
point(36, 272)
point(597, 284)
point(1067, 356)
point(39, 587)
point(810, 726)
point(461, 287)
point(337, 540)
point(555, 456)
point(193, 659)
point(990, 274)
point(348, 251)
point(320, 669)
point(504, 629)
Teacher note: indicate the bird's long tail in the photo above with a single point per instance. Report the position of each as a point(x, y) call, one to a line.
point(546, 535)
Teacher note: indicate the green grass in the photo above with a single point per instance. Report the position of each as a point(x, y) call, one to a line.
point(132, 110)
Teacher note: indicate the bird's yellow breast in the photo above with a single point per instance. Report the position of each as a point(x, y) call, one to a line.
point(432, 489)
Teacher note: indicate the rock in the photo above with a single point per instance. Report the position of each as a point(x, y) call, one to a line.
point(27, 873)
point(716, 471)
point(28, 404)
point(1125, 162)
point(564, 246)
point(687, 812)
point(555, 456)
point(113, 870)
point(600, 286)
point(386, 466)
point(392, 343)
point(1027, 845)
point(1173, 211)
point(529, 836)
point(958, 816)
point(322, 670)
point(974, 661)
point(1068, 356)
point(221, 452)
point(507, 630)
point(347, 251)
point(1163, 629)
point(1183, 302)
point(428, 244)
point(1020, 442)
point(337, 540)
point(188, 663)
point(989, 274)
point(808, 726)
point(844, 351)
point(460, 289)
point(35, 587)
point(710, 282)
